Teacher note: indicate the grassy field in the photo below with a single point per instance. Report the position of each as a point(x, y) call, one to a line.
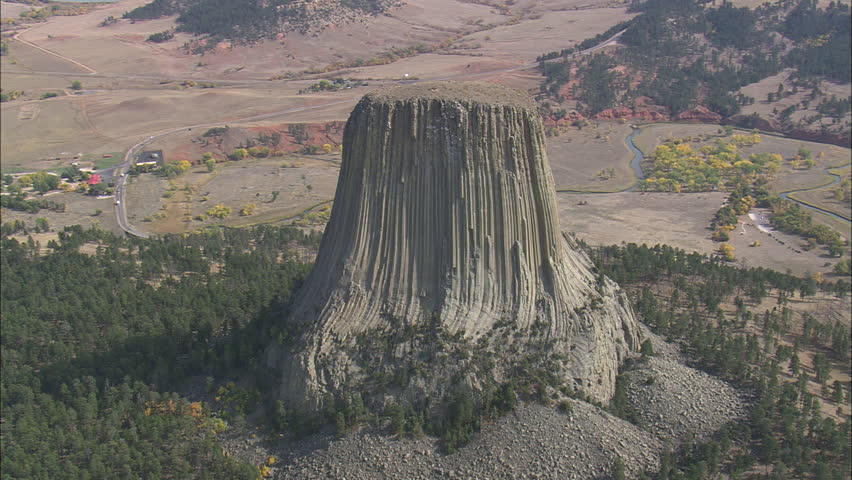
point(178, 205)
point(80, 210)
point(101, 163)
point(577, 156)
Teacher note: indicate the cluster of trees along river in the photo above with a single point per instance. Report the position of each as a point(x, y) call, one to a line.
point(99, 348)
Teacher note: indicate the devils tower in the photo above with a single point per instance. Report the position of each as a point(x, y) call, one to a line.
point(443, 261)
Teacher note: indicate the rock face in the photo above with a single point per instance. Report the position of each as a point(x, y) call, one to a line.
point(699, 114)
point(445, 222)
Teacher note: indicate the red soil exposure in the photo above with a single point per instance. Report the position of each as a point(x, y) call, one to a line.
point(565, 90)
point(183, 152)
point(567, 120)
point(315, 136)
point(131, 37)
point(318, 134)
point(699, 114)
point(650, 113)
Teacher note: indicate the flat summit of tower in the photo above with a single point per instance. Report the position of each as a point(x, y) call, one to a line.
point(467, 92)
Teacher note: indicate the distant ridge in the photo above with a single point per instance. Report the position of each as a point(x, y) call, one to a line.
point(252, 20)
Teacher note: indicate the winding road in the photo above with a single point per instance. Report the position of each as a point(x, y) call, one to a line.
point(837, 179)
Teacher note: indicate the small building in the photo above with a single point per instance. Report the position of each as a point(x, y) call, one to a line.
point(150, 158)
point(94, 179)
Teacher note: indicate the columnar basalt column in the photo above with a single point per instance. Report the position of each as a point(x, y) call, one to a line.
point(445, 213)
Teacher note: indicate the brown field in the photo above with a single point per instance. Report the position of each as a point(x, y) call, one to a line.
point(23, 57)
point(33, 85)
point(302, 182)
point(35, 131)
point(80, 210)
point(825, 198)
point(101, 122)
point(776, 250)
point(554, 25)
point(681, 220)
point(766, 109)
point(12, 10)
point(578, 155)
point(676, 219)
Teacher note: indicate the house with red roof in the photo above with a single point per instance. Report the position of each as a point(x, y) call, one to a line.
point(94, 179)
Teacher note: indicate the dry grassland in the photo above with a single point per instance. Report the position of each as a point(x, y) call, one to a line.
point(824, 197)
point(35, 131)
point(27, 58)
point(778, 251)
point(159, 205)
point(768, 110)
point(563, 27)
point(120, 48)
point(80, 210)
point(12, 10)
point(676, 219)
point(578, 155)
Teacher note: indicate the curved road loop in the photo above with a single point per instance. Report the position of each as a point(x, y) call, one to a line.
point(837, 179)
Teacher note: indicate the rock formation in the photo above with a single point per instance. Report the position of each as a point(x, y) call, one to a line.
point(699, 114)
point(443, 241)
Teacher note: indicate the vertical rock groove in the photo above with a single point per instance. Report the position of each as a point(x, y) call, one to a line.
point(445, 211)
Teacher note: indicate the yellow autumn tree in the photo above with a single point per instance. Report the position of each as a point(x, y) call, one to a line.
point(727, 251)
point(248, 209)
point(219, 211)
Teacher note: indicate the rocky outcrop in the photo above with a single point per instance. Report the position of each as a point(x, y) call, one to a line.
point(676, 402)
point(648, 113)
point(444, 240)
point(699, 114)
point(533, 442)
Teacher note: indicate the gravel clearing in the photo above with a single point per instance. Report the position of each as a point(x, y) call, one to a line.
point(534, 442)
point(674, 401)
